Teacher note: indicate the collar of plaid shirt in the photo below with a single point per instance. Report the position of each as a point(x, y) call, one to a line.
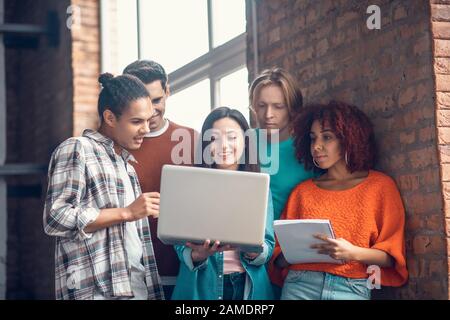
point(100, 138)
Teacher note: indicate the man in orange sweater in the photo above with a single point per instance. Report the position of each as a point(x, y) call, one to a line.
point(167, 143)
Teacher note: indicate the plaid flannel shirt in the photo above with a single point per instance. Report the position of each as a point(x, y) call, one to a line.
point(83, 179)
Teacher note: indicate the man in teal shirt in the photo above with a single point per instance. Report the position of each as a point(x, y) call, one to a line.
point(284, 169)
point(275, 100)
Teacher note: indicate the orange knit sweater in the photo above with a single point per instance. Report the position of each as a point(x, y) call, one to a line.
point(369, 215)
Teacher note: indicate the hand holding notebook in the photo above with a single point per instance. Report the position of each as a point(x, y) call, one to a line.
point(297, 236)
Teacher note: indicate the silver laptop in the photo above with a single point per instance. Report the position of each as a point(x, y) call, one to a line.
point(199, 204)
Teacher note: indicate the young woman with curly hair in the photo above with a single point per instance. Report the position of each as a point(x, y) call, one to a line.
point(363, 206)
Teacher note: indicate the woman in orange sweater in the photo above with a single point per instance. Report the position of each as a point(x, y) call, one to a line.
point(363, 206)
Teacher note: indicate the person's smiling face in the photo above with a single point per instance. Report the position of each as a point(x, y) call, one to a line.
point(227, 143)
point(158, 96)
point(132, 125)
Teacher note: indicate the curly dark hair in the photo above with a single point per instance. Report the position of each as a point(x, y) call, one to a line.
point(350, 125)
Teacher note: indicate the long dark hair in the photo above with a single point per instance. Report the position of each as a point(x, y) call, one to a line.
point(225, 112)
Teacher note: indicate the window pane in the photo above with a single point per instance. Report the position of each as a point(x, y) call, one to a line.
point(127, 51)
point(173, 32)
point(228, 20)
point(234, 91)
point(190, 106)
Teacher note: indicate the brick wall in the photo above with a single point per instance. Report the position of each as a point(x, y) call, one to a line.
point(39, 116)
point(86, 65)
point(51, 95)
point(389, 74)
point(440, 21)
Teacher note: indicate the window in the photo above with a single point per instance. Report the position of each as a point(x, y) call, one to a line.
point(119, 41)
point(234, 93)
point(228, 19)
point(173, 32)
point(200, 43)
point(190, 105)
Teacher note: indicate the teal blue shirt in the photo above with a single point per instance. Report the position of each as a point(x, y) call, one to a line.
point(285, 170)
point(205, 281)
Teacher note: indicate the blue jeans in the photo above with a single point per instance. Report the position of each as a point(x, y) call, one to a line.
point(312, 285)
point(233, 286)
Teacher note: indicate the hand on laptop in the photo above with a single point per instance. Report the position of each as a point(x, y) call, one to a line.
point(201, 252)
point(147, 204)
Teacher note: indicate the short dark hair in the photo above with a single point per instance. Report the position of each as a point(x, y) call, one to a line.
point(147, 71)
point(225, 112)
point(117, 93)
point(350, 125)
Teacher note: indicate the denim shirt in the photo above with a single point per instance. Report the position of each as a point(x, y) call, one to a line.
point(205, 281)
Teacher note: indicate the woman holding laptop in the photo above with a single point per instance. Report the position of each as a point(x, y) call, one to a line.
point(363, 205)
point(211, 271)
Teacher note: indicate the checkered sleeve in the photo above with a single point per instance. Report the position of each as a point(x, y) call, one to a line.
point(65, 215)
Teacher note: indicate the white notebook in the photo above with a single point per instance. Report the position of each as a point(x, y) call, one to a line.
point(297, 236)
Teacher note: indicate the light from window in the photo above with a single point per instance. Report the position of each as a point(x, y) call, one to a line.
point(234, 91)
point(173, 32)
point(228, 20)
point(126, 35)
point(190, 106)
